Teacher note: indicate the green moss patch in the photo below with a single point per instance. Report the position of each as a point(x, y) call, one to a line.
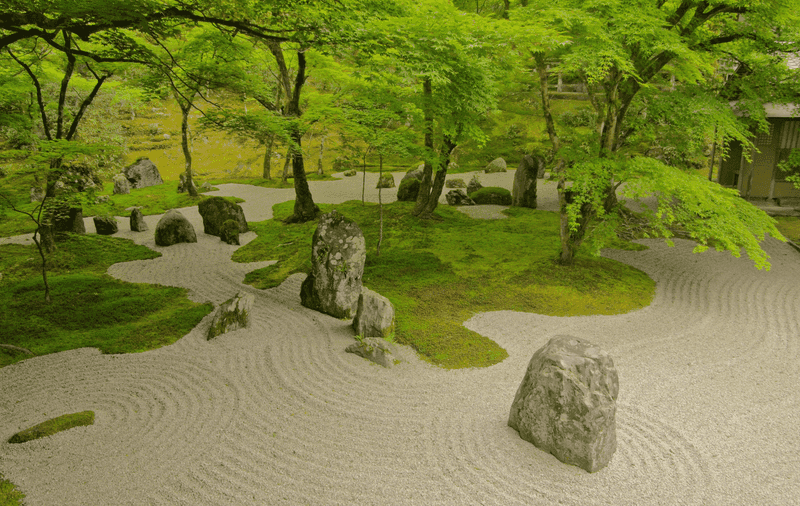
point(53, 426)
point(10, 495)
point(492, 195)
point(89, 307)
point(439, 273)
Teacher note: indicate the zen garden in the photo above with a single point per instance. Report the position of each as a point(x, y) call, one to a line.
point(402, 252)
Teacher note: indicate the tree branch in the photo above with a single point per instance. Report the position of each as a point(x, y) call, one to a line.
point(39, 98)
point(86, 102)
point(62, 94)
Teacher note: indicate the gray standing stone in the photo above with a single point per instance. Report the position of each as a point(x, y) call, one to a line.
point(137, 221)
point(143, 173)
point(375, 350)
point(523, 193)
point(386, 181)
point(232, 314)
point(566, 403)
point(458, 198)
point(105, 225)
point(216, 211)
point(374, 315)
point(121, 185)
point(338, 254)
point(173, 228)
point(496, 165)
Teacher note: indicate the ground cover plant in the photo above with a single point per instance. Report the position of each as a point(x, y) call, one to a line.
point(789, 226)
point(438, 273)
point(10, 495)
point(89, 307)
point(53, 426)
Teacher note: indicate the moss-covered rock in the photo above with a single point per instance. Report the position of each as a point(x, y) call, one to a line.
point(53, 426)
point(233, 314)
point(229, 232)
point(408, 190)
point(492, 195)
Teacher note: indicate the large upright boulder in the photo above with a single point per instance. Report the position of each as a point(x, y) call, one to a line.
point(173, 228)
point(523, 193)
point(408, 190)
point(414, 173)
point(496, 165)
point(137, 221)
point(374, 315)
point(216, 211)
point(67, 218)
point(566, 404)
point(338, 253)
point(142, 173)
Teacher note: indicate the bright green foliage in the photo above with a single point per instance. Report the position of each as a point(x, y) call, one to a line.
point(439, 273)
point(54, 426)
point(126, 317)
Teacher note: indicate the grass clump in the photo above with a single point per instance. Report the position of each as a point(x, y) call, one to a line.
point(10, 495)
point(439, 273)
point(492, 195)
point(89, 307)
point(53, 426)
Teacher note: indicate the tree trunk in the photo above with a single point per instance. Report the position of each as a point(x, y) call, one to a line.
point(41, 247)
point(427, 172)
point(266, 173)
point(364, 178)
point(304, 207)
point(286, 163)
point(186, 106)
point(380, 203)
point(321, 149)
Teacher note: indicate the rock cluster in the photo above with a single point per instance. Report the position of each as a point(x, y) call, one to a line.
point(566, 403)
point(232, 314)
point(173, 228)
point(216, 211)
point(338, 254)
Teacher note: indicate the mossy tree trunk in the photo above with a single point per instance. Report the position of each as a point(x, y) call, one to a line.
point(185, 104)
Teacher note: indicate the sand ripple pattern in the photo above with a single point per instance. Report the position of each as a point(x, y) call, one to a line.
point(279, 414)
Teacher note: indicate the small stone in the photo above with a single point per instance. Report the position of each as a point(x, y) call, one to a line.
point(121, 185)
point(174, 228)
point(566, 403)
point(374, 316)
point(375, 350)
point(474, 185)
point(496, 165)
point(386, 181)
point(351, 172)
point(458, 198)
point(455, 183)
point(232, 314)
point(105, 225)
point(137, 221)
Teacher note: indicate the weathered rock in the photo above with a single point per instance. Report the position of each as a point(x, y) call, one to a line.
point(474, 185)
point(173, 228)
point(105, 225)
point(408, 190)
point(216, 211)
point(206, 186)
point(566, 403)
point(375, 350)
point(341, 164)
point(137, 221)
point(68, 219)
point(455, 183)
point(496, 165)
point(232, 314)
point(102, 199)
point(374, 315)
point(142, 173)
point(414, 173)
point(351, 172)
point(37, 194)
point(229, 232)
point(523, 193)
point(386, 181)
point(121, 185)
point(183, 187)
point(338, 253)
point(492, 195)
point(458, 198)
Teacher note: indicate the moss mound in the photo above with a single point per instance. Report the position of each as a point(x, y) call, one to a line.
point(53, 426)
point(492, 195)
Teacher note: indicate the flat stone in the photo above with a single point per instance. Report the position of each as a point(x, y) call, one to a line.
point(375, 350)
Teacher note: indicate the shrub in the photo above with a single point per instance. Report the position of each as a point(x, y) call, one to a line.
point(583, 117)
point(492, 195)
